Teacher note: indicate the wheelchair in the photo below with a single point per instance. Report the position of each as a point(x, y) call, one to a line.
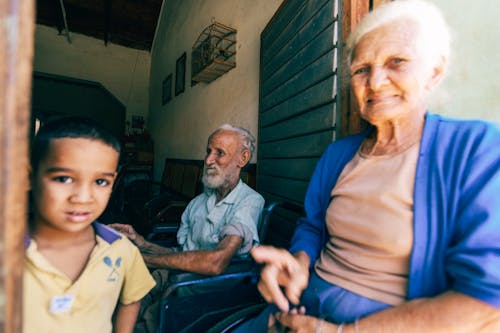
point(220, 303)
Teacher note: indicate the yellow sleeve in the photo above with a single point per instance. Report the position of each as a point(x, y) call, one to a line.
point(137, 281)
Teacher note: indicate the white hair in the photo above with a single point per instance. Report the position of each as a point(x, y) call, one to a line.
point(247, 139)
point(434, 34)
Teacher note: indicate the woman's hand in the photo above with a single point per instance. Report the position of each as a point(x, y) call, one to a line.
point(281, 270)
point(129, 231)
point(299, 323)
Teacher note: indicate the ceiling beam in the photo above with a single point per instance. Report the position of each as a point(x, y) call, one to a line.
point(107, 20)
point(63, 13)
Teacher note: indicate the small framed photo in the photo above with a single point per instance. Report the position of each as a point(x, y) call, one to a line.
point(180, 74)
point(166, 90)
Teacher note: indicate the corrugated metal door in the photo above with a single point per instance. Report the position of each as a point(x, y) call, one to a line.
point(298, 95)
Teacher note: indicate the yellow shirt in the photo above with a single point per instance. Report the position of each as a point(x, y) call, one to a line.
point(114, 273)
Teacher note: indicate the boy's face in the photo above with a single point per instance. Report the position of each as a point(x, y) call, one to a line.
point(73, 183)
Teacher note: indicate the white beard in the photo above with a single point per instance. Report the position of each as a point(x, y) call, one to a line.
point(215, 177)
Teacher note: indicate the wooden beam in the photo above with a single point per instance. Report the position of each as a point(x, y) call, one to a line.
point(351, 122)
point(16, 59)
point(353, 12)
point(376, 3)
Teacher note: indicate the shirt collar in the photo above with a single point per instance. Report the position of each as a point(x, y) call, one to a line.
point(105, 232)
point(27, 240)
point(231, 197)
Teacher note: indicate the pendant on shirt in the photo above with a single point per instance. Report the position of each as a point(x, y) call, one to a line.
point(61, 304)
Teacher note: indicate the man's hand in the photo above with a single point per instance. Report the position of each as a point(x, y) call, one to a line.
point(281, 269)
point(129, 231)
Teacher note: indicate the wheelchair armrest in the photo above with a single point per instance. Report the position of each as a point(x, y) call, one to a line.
point(239, 269)
point(164, 234)
point(201, 308)
point(165, 228)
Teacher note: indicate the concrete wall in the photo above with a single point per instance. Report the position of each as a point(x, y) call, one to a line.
point(180, 128)
point(123, 71)
point(472, 88)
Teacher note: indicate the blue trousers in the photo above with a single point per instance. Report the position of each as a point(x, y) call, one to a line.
point(324, 300)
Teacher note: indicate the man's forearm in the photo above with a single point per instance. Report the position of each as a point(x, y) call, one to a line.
point(201, 262)
point(207, 262)
point(449, 312)
point(151, 249)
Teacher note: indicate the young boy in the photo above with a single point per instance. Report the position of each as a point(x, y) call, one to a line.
point(80, 276)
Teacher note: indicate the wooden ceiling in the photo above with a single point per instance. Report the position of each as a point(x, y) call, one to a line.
point(129, 23)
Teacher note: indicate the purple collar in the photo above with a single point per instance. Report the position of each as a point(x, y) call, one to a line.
point(105, 232)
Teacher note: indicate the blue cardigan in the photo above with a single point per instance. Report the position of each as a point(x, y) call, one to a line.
point(456, 219)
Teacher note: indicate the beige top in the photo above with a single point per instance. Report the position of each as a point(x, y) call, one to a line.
point(370, 220)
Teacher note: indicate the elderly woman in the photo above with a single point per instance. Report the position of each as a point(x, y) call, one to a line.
point(402, 226)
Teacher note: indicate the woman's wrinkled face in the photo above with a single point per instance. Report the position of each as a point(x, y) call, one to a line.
point(389, 73)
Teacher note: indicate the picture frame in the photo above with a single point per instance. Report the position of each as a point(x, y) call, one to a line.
point(137, 122)
point(180, 74)
point(166, 90)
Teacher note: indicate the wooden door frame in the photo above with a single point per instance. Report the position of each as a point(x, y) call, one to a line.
point(16, 63)
point(352, 11)
point(350, 121)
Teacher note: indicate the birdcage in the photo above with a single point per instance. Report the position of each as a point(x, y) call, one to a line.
point(214, 52)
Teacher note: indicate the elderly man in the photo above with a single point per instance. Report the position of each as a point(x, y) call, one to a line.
point(216, 225)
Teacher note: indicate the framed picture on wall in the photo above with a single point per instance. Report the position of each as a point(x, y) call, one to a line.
point(166, 90)
point(180, 74)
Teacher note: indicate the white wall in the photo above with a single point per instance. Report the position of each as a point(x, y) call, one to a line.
point(181, 127)
point(123, 71)
point(472, 87)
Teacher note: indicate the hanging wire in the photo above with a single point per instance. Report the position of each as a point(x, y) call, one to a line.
point(65, 21)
